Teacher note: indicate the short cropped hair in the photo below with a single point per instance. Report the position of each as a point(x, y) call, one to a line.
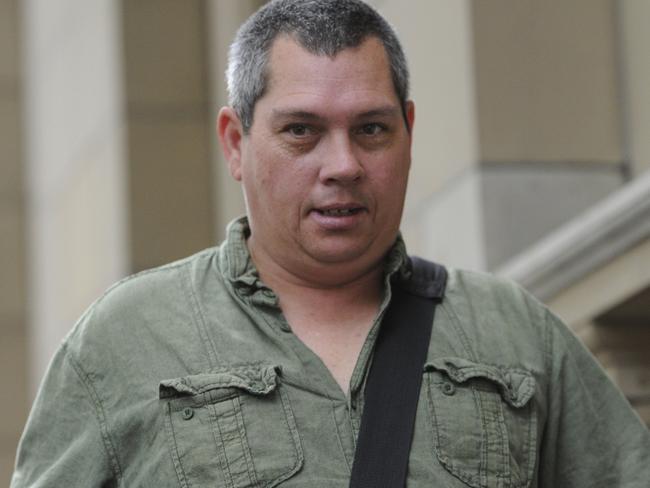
point(322, 27)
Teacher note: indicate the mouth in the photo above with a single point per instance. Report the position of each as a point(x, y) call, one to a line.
point(340, 210)
point(339, 217)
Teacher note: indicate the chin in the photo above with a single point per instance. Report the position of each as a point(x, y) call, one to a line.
point(341, 254)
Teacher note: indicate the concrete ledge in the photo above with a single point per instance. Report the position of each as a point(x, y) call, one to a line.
point(585, 243)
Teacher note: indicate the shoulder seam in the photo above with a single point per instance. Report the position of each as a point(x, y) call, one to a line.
point(99, 412)
point(170, 266)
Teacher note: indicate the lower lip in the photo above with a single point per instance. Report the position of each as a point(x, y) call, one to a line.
point(338, 222)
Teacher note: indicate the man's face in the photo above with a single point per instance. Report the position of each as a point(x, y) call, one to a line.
point(324, 167)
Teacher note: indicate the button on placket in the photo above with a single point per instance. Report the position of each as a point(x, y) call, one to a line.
point(448, 389)
point(188, 413)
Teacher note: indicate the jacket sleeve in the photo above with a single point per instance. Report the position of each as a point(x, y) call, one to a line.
point(66, 442)
point(592, 437)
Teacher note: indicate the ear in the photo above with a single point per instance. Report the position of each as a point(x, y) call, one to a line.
point(230, 132)
point(410, 115)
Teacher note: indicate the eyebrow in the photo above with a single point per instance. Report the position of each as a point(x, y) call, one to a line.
point(294, 114)
point(385, 111)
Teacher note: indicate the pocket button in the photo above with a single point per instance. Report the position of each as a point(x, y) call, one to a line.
point(448, 389)
point(188, 413)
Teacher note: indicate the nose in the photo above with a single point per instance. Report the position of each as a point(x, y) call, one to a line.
point(339, 163)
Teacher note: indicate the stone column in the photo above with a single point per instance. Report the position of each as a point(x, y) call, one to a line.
point(75, 160)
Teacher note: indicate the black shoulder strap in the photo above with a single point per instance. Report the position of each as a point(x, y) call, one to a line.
point(393, 385)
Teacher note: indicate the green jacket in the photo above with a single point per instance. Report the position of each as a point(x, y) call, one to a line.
point(188, 375)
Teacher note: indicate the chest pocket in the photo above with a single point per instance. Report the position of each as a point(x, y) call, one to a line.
point(231, 427)
point(484, 422)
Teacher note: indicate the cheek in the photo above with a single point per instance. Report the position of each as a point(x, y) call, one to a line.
point(401, 171)
point(257, 174)
point(392, 175)
point(390, 188)
point(277, 190)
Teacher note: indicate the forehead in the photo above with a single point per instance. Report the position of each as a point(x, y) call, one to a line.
point(352, 77)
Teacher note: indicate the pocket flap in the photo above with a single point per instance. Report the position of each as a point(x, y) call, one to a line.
point(256, 379)
point(516, 385)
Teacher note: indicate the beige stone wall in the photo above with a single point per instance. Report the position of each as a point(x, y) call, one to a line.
point(168, 125)
point(546, 81)
point(14, 395)
point(633, 18)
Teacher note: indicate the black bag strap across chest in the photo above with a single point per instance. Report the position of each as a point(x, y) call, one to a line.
point(393, 384)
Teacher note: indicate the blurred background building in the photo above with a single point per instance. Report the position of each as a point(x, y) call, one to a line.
point(531, 160)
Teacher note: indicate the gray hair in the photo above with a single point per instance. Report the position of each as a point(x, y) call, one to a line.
point(322, 27)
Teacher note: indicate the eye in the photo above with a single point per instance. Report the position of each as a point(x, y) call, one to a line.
point(299, 130)
point(372, 129)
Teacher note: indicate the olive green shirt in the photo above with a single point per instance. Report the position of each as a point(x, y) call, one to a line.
point(188, 375)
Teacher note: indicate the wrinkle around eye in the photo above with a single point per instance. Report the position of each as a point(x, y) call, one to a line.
point(297, 144)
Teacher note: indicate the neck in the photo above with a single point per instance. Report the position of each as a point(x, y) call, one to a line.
point(337, 284)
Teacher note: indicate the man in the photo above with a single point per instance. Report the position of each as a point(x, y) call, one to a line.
point(245, 365)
